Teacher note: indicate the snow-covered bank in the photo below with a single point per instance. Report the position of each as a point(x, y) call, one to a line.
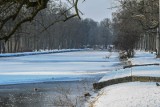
point(66, 66)
point(39, 52)
point(140, 58)
point(152, 71)
point(131, 94)
point(136, 94)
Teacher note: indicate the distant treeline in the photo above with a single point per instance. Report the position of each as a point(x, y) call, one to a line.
point(74, 33)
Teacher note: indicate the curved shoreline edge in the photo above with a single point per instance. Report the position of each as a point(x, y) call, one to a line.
point(103, 84)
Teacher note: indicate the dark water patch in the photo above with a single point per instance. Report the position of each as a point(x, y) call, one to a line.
point(117, 64)
point(46, 94)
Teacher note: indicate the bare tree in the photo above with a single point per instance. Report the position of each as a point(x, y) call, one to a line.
point(144, 15)
point(18, 12)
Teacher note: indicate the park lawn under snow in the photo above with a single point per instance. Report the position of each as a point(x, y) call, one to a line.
point(131, 94)
point(66, 66)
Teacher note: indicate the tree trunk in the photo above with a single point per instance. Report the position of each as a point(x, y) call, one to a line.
point(3, 47)
point(157, 44)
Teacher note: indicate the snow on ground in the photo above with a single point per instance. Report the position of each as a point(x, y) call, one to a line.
point(134, 94)
point(140, 58)
point(131, 94)
point(144, 58)
point(56, 66)
point(153, 71)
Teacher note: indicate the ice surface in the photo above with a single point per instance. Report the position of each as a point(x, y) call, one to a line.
point(56, 66)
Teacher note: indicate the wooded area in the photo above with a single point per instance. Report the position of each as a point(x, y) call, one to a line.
point(47, 29)
point(136, 25)
point(28, 25)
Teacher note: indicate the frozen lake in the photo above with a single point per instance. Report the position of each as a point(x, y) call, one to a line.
point(66, 66)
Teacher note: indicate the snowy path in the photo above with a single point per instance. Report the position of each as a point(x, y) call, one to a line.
point(144, 58)
point(56, 67)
